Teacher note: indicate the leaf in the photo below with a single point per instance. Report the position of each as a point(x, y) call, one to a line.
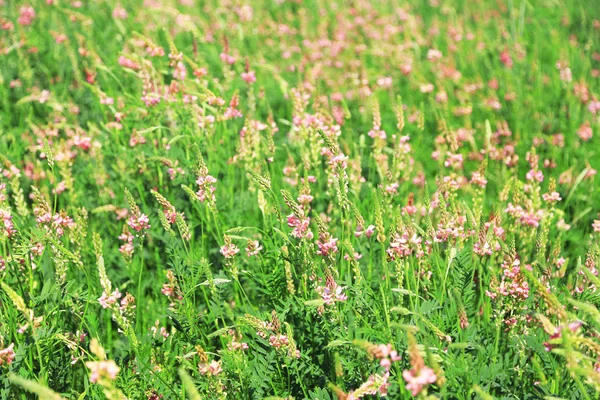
point(337, 343)
point(315, 303)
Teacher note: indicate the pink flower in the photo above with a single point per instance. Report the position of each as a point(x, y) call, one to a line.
point(331, 293)
point(7, 355)
point(179, 72)
point(119, 12)
point(370, 231)
point(102, 369)
point(377, 132)
point(229, 250)
point(506, 59)
point(214, 368)
point(585, 132)
point(596, 225)
point(106, 300)
point(128, 63)
point(279, 341)
point(478, 179)
point(552, 197)
point(206, 188)
point(26, 16)
point(138, 223)
point(417, 380)
point(301, 227)
point(327, 246)
point(249, 77)
point(253, 248)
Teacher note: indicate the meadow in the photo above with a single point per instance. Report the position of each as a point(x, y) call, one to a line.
point(299, 199)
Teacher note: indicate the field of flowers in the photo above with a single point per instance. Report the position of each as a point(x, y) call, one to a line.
point(299, 199)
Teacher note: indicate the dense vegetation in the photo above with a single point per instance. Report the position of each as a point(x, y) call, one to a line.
point(299, 199)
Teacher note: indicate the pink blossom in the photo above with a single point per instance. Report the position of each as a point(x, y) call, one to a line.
point(585, 132)
point(327, 246)
point(596, 225)
point(7, 355)
point(278, 341)
point(418, 380)
point(108, 300)
point(253, 248)
point(102, 370)
point(552, 197)
point(128, 63)
point(213, 368)
point(139, 222)
point(119, 12)
point(370, 231)
point(229, 250)
point(249, 77)
point(26, 16)
point(206, 188)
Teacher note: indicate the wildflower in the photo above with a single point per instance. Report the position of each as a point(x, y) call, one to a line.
point(7, 355)
point(26, 16)
point(6, 220)
point(513, 283)
point(128, 63)
point(356, 256)
point(127, 306)
point(426, 88)
point(227, 58)
point(327, 245)
point(179, 72)
point(138, 222)
point(213, 368)
point(229, 250)
point(278, 341)
point(200, 72)
point(301, 227)
point(171, 289)
point(206, 188)
point(162, 331)
point(378, 133)
point(418, 380)
point(585, 132)
point(108, 300)
point(232, 111)
point(572, 326)
point(101, 370)
point(478, 179)
point(596, 225)
point(249, 77)
point(44, 96)
point(126, 248)
point(253, 248)
point(434, 55)
point(392, 188)
point(331, 292)
point(119, 12)
point(552, 197)
point(506, 59)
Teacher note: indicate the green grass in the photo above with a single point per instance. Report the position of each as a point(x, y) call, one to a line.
point(294, 320)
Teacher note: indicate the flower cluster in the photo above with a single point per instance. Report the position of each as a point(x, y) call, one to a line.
point(7, 355)
point(301, 226)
